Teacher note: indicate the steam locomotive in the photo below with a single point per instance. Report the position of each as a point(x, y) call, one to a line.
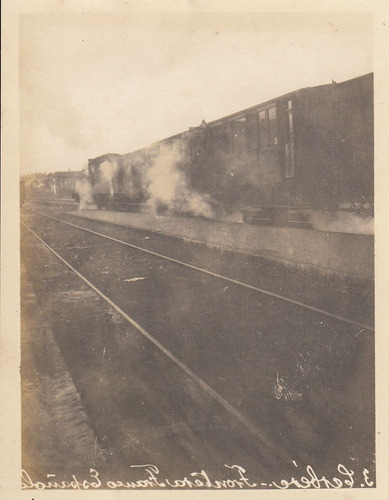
point(309, 150)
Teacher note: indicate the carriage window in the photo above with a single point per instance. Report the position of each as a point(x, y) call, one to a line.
point(268, 131)
point(220, 138)
point(263, 130)
point(289, 142)
point(217, 134)
point(239, 133)
point(226, 137)
point(273, 134)
point(239, 127)
point(252, 132)
point(290, 124)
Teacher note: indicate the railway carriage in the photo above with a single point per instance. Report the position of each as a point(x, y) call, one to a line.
point(309, 150)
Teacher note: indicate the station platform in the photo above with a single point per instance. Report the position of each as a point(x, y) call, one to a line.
point(339, 253)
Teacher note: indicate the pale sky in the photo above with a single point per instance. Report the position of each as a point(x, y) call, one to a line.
point(97, 83)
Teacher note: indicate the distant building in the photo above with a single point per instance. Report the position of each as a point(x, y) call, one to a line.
point(63, 184)
point(54, 186)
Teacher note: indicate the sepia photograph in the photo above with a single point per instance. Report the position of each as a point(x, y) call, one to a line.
point(197, 250)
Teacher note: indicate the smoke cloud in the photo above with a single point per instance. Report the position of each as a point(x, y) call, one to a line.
point(168, 185)
point(157, 180)
point(343, 222)
point(106, 181)
point(84, 191)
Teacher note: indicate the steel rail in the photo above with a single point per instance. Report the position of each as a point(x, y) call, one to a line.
point(219, 276)
point(264, 441)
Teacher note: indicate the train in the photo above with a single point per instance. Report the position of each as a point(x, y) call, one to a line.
point(305, 152)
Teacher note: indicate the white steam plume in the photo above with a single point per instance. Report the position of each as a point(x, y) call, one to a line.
point(343, 222)
point(168, 186)
point(106, 182)
point(84, 191)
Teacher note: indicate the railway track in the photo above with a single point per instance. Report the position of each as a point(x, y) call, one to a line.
point(243, 373)
point(267, 445)
point(218, 276)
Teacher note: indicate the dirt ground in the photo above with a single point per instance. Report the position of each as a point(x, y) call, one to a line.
point(97, 394)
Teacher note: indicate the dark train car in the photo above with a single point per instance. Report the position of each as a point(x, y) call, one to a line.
point(117, 181)
point(309, 150)
point(334, 146)
point(102, 174)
